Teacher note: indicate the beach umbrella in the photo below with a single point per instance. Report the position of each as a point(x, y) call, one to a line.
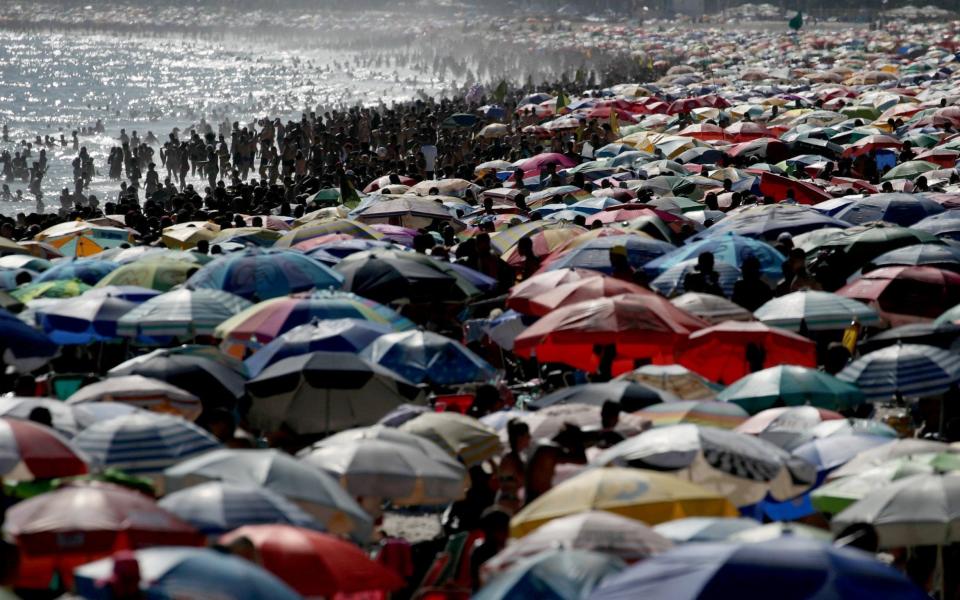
point(674, 379)
point(704, 529)
point(461, 436)
point(780, 529)
point(391, 435)
point(184, 236)
point(522, 294)
point(317, 494)
point(80, 238)
point(314, 230)
point(83, 319)
point(767, 221)
point(397, 471)
point(712, 309)
point(546, 423)
point(910, 170)
point(580, 291)
point(638, 494)
point(828, 453)
point(728, 351)
point(815, 311)
point(159, 273)
point(265, 321)
point(407, 211)
point(544, 243)
point(261, 237)
point(180, 572)
point(143, 442)
point(697, 412)
point(323, 392)
point(673, 281)
point(315, 564)
point(66, 420)
point(900, 209)
point(384, 181)
point(142, 392)
point(791, 385)
point(263, 274)
point(202, 371)
point(87, 270)
point(426, 357)
point(31, 451)
point(59, 288)
point(949, 316)
point(552, 575)
point(631, 395)
point(639, 325)
point(24, 261)
point(743, 468)
point(330, 335)
point(595, 253)
point(930, 255)
point(84, 521)
point(181, 313)
point(23, 346)
point(592, 530)
point(796, 568)
point(216, 507)
point(903, 371)
point(386, 275)
point(906, 294)
point(946, 225)
point(787, 426)
point(729, 248)
point(862, 243)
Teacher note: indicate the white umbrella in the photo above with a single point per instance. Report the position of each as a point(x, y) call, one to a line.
point(704, 529)
point(142, 392)
point(875, 457)
point(392, 435)
point(66, 419)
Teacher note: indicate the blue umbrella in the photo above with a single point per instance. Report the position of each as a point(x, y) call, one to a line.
point(731, 248)
point(330, 254)
point(788, 568)
point(901, 209)
point(767, 221)
point(904, 370)
point(828, 453)
point(613, 150)
point(946, 225)
point(595, 254)
point(594, 205)
point(332, 335)
point(492, 111)
point(631, 159)
point(931, 255)
point(553, 575)
point(262, 274)
point(217, 507)
point(22, 345)
point(672, 282)
point(424, 356)
point(87, 270)
point(83, 319)
point(174, 572)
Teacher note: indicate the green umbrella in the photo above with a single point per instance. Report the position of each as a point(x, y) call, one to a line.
point(159, 273)
point(834, 496)
point(58, 288)
point(791, 386)
point(325, 196)
point(910, 170)
point(860, 111)
point(865, 242)
point(602, 164)
point(922, 140)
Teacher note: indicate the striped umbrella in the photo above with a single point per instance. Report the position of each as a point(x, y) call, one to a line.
point(672, 282)
point(262, 322)
point(730, 248)
point(60, 288)
point(712, 309)
point(462, 436)
point(263, 274)
point(31, 451)
point(83, 319)
point(903, 371)
point(310, 231)
point(791, 385)
point(816, 311)
point(87, 270)
point(160, 273)
point(676, 379)
point(22, 346)
point(184, 236)
point(249, 236)
point(143, 442)
point(951, 315)
point(204, 371)
point(544, 242)
point(79, 238)
point(594, 251)
point(142, 392)
point(183, 313)
point(66, 420)
point(697, 412)
point(504, 240)
point(423, 356)
point(217, 507)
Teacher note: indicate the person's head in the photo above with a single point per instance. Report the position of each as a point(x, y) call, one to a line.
point(26, 386)
point(609, 414)
point(242, 547)
point(750, 268)
point(518, 435)
point(483, 243)
point(219, 422)
point(124, 581)
point(203, 247)
point(525, 247)
point(41, 415)
point(705, 262)
point(618, 258)
point(495, 523)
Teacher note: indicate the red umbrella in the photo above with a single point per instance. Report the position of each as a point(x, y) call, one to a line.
point(315, 564)
point(524, 293)
point(581, 291)
point(948, 115)
point(618, 215)
point(30, 451)
point(906, 294)
point(719, 353)
point(871, 142)
point(640, 326)
point(384, 181)
point(744, 131)
point(603, 113)
point(861, 185)
point(776, 186)
point(85, 521)
point(941, 156)
point(705, 131)
point(536, 163)
point(769, 149)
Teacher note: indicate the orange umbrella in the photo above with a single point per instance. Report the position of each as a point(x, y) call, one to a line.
point(541, 283)
point(639, 326)
point(722, 353)
point(580, 291)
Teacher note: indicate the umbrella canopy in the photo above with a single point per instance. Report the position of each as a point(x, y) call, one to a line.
point(931, 255)
point(84, 319)
point(874, 457)
point(142, 392)
point(85, 521)
point(31, 451)
point(639, 325)
point(632, 395)
point(461, 436)
point(312, 490)
point(58, 288)
point(674, 280)
point(217, 507)
point(798, 568)
point(553, 575)
point(186, 573)
point(393, 470)
point(322, 392)
point(200, 370)
point(730, 350)
point(524, 293)
point(594, 253)
point(903, 371)
point(313, 563)
point(901, 209)
point(329, 335)
point(66, 420)
point(815, 311)
point(580, 291)
point(729, 248)
point(740, 467)
point(767, 221)
point(675, 379)
point(143, 442)
point(593, 530)
point(712, 309)
point(905, 294)
point(787, 426)
point(704, 529)
point(23, 346)
point(180, 313)
point(426, 357)
point(87, 270)
point(161, 273)
point(387, 275)
point(80, 238)
point(791, 385)
point(315, 230)
point(714, 414)
point(638, 494)
point(264, 274)
point(910, 170)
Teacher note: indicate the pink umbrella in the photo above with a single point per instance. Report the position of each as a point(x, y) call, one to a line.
point(540, 161)
point(31, 451)
point(384, 181)
point(395, 233)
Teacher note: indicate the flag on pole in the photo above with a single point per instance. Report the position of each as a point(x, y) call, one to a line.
point(796, 22)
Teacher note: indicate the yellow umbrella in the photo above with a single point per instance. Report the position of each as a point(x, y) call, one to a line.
point(458, 434)
point(184, 236)
point(647, 496)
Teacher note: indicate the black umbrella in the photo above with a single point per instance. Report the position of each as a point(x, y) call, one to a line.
point(193, 369)
point(385, 277)
point(631, 396)
point(323, 392)
point(944, 335)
